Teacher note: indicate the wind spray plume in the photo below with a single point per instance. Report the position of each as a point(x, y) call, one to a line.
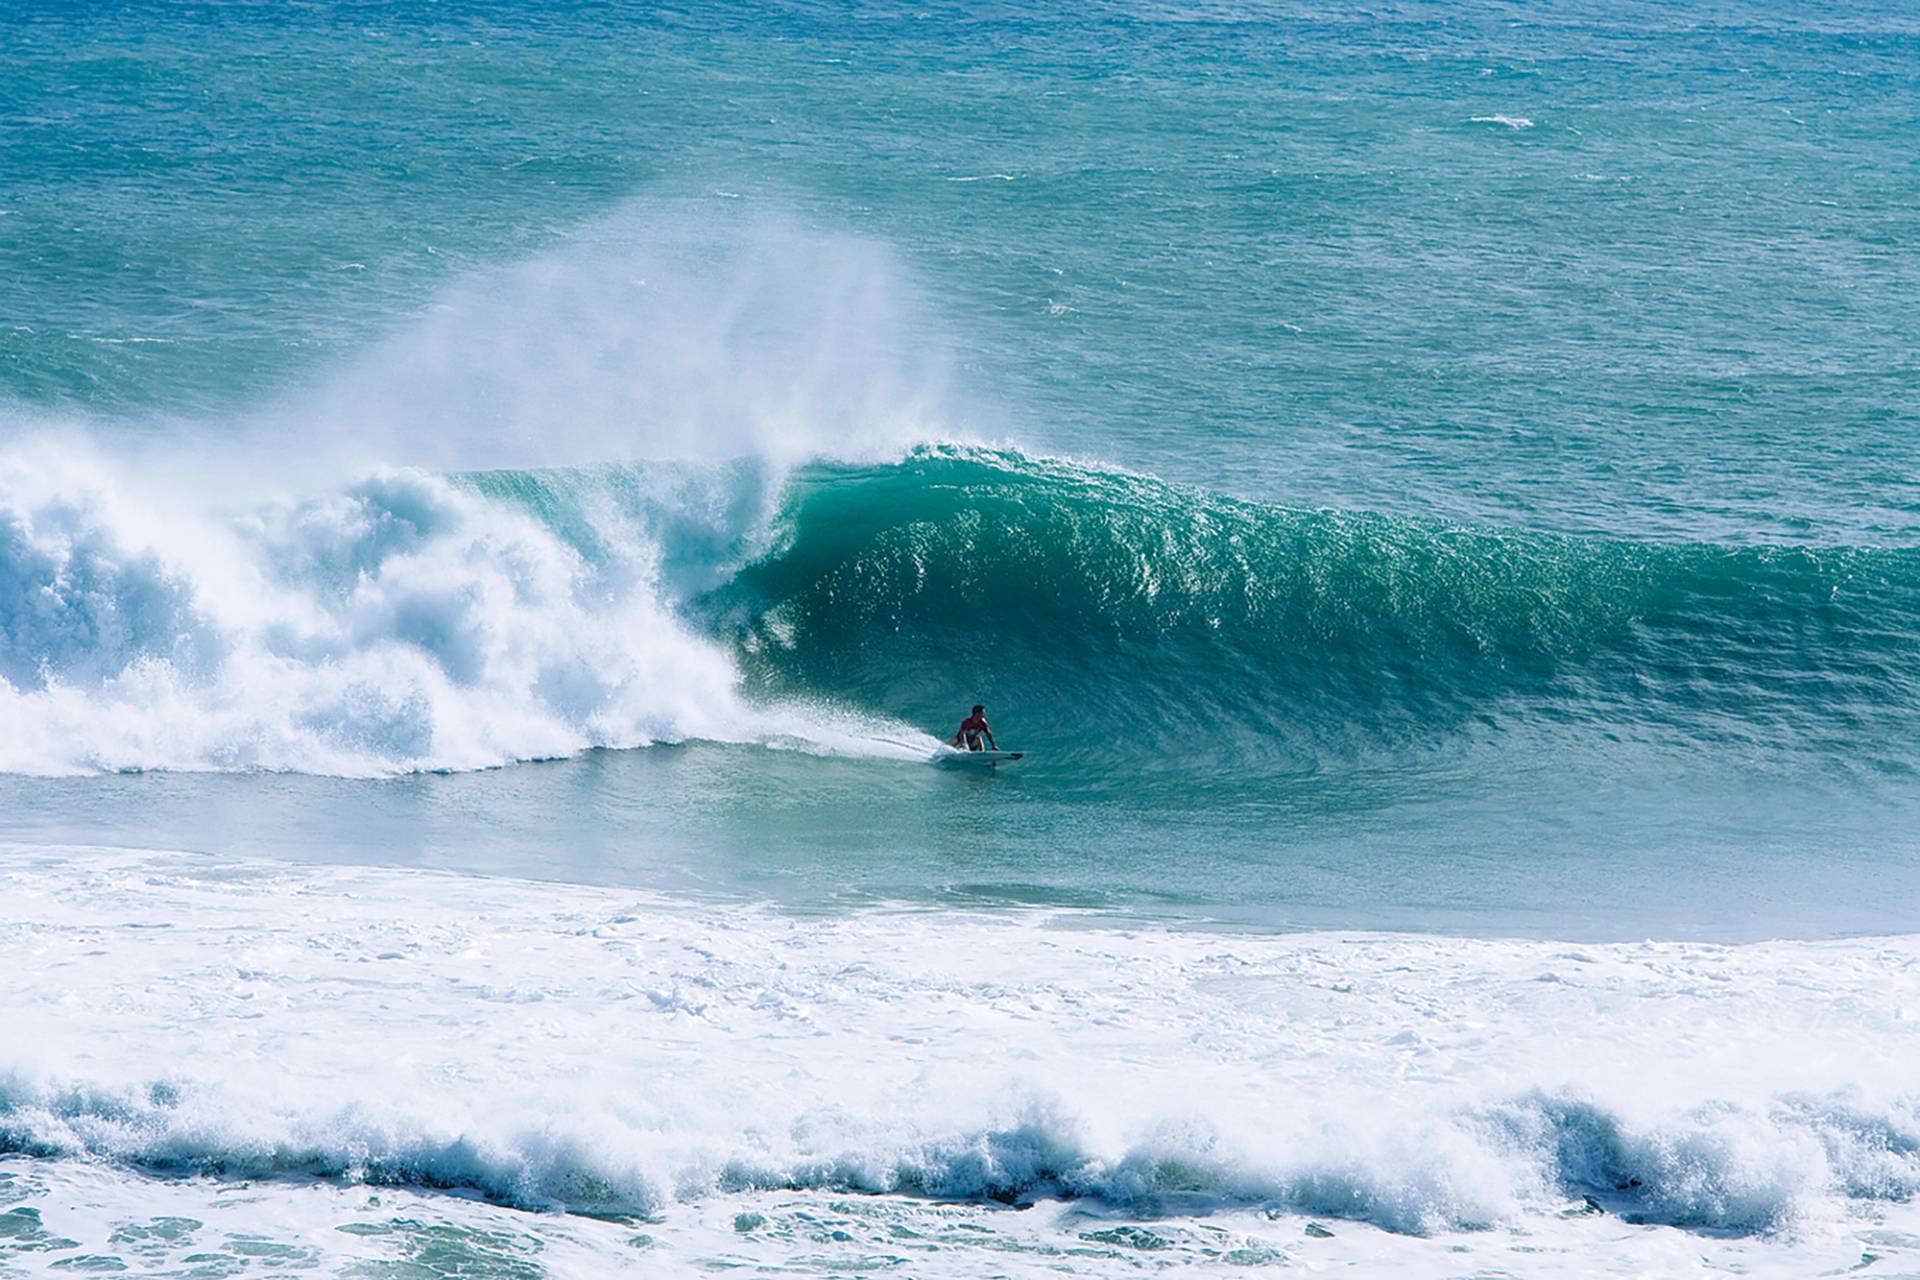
point(673, 329)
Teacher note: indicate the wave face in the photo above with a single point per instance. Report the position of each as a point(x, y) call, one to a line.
point(418, 621)
point(1122, 615)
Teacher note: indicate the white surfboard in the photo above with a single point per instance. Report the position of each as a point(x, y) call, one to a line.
point(976, 759)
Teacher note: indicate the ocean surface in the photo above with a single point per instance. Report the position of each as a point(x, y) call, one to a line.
point(500, 503)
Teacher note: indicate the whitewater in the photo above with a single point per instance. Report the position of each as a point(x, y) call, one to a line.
point(398, 624)
point(500, 505)
point(350, 1068)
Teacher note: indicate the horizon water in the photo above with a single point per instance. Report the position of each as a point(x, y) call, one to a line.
point(499, 503)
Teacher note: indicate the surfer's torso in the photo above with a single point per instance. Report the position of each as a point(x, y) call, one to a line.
point(970, 730)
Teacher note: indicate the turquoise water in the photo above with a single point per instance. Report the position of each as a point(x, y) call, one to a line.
point(1434, 489)
point(1267, 250)
point(1452, 468)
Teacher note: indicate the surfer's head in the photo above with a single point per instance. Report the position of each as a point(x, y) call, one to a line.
point(979, 710)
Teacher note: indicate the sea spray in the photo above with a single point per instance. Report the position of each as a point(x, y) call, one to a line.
point(665, 330)
point(296, 589)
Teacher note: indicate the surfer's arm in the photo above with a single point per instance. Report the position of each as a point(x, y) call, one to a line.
point(990, 741)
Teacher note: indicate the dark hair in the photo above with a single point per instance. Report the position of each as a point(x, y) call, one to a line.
point(978, 707)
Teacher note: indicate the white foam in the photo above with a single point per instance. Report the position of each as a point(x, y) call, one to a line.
point(554, 1046)
point(1512, 122)
point(397, 624)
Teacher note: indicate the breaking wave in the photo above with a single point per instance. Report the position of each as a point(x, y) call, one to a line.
point(414, 620)
point(404, 622)
point(1721, 1167)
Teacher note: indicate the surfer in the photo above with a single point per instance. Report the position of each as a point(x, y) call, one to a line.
point(972, 729)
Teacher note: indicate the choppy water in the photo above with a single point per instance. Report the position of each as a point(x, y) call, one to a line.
point(1447, 469)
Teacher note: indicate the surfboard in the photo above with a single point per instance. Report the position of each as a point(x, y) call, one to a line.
point(976, 759)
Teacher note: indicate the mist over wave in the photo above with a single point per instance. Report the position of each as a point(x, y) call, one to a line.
point(668, 329)
point(313, 588)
